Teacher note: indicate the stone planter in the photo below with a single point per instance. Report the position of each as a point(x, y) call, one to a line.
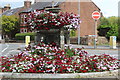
point(69, 75)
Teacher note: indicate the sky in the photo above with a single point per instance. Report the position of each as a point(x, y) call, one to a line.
point(108, 7)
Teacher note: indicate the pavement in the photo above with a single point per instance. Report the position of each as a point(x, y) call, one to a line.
point(99, 47)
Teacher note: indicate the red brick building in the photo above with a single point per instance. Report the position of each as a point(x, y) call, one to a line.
point(86, 9)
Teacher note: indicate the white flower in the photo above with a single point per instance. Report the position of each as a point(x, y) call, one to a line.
point(104, 68)
point(11, 60)
point(38, 47)
point(50, 57)
point(87, 68)
point(14, 70)
point(53, 69)
point(35, 62)
point(3, 68)
point(69, 69)
point(49, 66)
point(35, 56)
point(78, 60)
point(15, 65)
point(101, 65)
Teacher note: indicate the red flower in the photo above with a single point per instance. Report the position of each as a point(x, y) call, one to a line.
point(49, 62)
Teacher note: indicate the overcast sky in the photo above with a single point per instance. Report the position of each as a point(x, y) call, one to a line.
point(108, 7)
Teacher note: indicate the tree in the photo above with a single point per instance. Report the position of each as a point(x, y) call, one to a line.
point(10, 25)
point(110, 23)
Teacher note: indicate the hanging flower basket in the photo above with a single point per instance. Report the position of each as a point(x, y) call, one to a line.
point(45, 20)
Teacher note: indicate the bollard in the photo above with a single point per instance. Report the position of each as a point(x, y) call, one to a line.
point(113, 42)
point(27, 40)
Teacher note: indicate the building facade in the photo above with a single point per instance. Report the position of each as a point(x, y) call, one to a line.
point(86, 9)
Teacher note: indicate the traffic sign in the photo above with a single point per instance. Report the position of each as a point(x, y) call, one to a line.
point(96, 15)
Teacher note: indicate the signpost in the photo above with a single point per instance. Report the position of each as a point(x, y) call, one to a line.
point(95, 15)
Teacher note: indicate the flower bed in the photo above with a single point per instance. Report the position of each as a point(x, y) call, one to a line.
point(50, 59)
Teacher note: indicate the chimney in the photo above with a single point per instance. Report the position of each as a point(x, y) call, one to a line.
point(27, 4)
point(6, 7)
point(0, 10)
point(35, 1)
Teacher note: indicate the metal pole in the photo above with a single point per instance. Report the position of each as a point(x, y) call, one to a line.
point(95, 29)
point(79, 24)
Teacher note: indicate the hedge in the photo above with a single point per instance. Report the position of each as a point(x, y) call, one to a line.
point(21, 36)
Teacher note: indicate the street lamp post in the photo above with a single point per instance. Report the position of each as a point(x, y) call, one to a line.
point(79, 24)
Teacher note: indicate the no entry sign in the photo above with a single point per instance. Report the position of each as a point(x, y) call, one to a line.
point(96, 15)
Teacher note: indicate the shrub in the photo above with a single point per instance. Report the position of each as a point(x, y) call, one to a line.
point(112, 24)
point(21, 36)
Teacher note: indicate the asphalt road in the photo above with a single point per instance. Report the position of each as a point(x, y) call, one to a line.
point(8, 48)
point(11, 48)
point(100, 50)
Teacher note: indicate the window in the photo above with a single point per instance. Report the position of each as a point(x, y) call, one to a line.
point(23, 30)
point(23, 18)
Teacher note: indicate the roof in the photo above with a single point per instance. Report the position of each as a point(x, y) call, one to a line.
point(11, 11)
point(41, 5)
point(95, 5)
point(38, 5)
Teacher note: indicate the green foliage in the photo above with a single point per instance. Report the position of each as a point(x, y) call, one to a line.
point(9, 24)
point(112, 23)
point(69, 52)
point(0, 24)
point(72, 33)
point(119, 28)
point(21, 36)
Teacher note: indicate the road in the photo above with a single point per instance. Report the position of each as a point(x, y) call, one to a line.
point(7, 48)
point(100, 50)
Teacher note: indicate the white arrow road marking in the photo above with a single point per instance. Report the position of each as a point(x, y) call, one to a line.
point(12, 52)
point(5, 48)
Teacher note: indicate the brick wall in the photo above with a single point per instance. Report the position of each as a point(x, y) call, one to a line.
point(86, 9)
